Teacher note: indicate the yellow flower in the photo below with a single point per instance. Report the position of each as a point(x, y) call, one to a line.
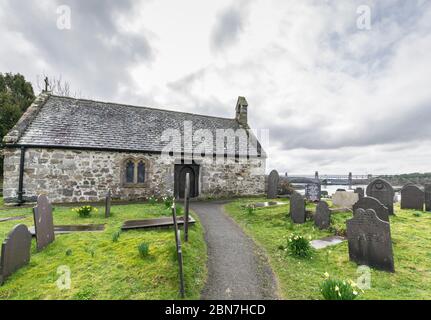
point(326, 274)
point(336, 288)
point(355, 293)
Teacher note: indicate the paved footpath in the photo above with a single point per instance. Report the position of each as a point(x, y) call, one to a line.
point(237, 269)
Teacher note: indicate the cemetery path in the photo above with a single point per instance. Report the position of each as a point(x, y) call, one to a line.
point(237, 267)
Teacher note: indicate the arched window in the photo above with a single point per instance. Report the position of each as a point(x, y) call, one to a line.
point(141, 172)
point(130, 172)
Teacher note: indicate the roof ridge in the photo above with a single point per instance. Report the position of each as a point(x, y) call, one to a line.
point(141, 107)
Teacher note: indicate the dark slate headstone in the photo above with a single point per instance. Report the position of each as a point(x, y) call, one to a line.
point(428, 197)
point(382, 191)
point(360, 192)
point(412, 197)
point(273, 179)
point(297, 208)
point(15, 251)
point(43, 222)
point(313, 191)
point(372, 203)
point(322, 217)
point(370, 240)
point(108, 204)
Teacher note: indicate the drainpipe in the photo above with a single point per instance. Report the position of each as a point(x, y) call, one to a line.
point(21, 177)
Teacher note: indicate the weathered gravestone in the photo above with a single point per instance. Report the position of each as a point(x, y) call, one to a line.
point(108, 204)
point(322, 217)
point(43, 222)
point(344, 199)
point(273, 180)
point(370, 240)
point(372, 203)
point(313, 191)
point(428, 197)
point(360, 192)
point(297, 208)
point(382, 191)
point(412, 197)
point(15, 251)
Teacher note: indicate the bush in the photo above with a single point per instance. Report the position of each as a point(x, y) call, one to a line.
point(334, 289)
point(299, 246)
point(152, 200)
point(417, 214)
point(85, 211)
point(168, 201)
point(116, 236)
point(250, 209)
point(144, 249)
point(68, 252)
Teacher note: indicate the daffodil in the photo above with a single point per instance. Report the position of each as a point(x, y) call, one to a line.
point(326, 274)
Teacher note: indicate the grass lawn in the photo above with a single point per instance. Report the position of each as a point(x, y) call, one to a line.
point(104, 269)
point(300, 278)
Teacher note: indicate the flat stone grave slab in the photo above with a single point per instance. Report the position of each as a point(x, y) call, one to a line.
point(64, 229)
point(154, 223)
point(326, 242)
point(268, 204)
point(12, 218)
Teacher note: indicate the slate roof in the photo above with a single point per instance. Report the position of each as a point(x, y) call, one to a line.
point(79, 123)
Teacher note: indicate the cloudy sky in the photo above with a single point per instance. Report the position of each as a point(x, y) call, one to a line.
point(336, 93)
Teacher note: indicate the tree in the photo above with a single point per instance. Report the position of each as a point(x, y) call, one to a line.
point(16, 95)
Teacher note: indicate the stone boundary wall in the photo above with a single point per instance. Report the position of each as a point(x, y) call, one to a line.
point(83, 175)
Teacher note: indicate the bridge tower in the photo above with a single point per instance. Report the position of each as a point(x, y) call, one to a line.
point(316, 175)
point(350, 180)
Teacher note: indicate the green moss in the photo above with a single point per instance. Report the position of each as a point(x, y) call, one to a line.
point(300, 279)
point(102, 268)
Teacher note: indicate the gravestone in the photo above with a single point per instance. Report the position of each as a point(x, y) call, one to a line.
point(108, 204)
point(344, 199)
point(412, 197)
point(43, 222)
point(370, 240)
point(322, 217)
point(297, 208)
point(273, 179)
point(382, 191)
point(15, 251)
point(360, 192)
point(428, 197)
point(313, 191)
point(372, 203)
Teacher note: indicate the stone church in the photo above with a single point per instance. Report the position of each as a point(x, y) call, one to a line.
point(75, 150)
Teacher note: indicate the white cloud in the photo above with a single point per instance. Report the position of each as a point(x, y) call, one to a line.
point(335, 98)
